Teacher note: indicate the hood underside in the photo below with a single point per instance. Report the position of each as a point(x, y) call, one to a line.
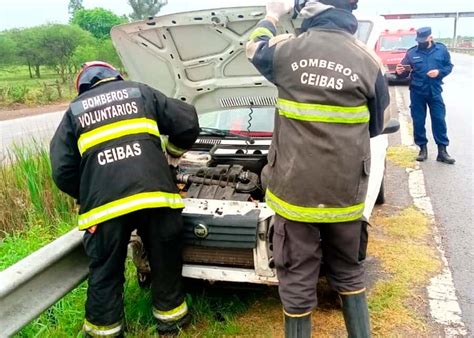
point(198, 57)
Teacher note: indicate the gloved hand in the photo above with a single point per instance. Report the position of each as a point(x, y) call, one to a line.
point(277, 8)
point(172, 161)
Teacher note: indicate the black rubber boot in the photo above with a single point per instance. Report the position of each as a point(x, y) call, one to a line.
point(443, 155)
point(171, 329)
point(298, 327)
point(356, 315)
point(423, 154)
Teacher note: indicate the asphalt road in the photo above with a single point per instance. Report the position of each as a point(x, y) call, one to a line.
point(39, 128)
point(451, 187)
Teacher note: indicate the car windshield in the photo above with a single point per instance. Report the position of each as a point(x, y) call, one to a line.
point(394, 43)
point(239, 120)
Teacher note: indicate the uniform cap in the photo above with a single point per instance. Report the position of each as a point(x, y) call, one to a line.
point(422, 34)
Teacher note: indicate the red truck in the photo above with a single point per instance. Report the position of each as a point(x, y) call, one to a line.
point(391, 48)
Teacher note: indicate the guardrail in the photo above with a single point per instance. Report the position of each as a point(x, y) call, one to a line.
point(32, 285)
point(461, 50)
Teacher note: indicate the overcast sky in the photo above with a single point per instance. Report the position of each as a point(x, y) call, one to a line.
point(27, 13)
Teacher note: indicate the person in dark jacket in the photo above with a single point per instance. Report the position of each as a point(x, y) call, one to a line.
point(428, 64)
point(110, 153)
point(332, 97)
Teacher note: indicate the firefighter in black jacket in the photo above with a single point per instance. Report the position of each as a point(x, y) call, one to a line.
point(109, 153)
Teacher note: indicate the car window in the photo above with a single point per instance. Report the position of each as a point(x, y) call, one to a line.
point(237, 120)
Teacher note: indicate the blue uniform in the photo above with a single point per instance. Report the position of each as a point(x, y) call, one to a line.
point(426, 91)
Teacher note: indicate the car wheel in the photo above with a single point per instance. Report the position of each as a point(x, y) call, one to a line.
point(381, 196)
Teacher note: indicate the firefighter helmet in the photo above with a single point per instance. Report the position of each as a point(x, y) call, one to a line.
point(93, 72)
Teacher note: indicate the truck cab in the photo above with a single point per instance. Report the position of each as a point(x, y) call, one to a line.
point(392, 46)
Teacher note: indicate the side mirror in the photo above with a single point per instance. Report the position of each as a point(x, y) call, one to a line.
point(392, 127)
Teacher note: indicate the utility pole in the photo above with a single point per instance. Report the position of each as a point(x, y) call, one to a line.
point(455, 30)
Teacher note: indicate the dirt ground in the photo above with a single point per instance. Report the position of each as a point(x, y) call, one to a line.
point(15, 112)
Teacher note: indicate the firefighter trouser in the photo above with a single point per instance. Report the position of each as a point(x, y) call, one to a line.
point(419, 103)
point(161, 231)
point(298, 250)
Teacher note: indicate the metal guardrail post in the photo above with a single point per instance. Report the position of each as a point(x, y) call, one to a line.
point(32, 285)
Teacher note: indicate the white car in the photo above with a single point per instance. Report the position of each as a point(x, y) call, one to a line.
point(199, 57)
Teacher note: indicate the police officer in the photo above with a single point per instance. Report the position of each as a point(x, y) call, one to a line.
point(108, 153)
point(332, 97)
point(428, 64)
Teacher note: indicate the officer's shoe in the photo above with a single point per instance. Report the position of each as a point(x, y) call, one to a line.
point(356, 315)
point(172, 328)
point(298, 326)
point(423, 154)
point(443, 155)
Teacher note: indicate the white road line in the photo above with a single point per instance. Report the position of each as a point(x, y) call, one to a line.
point(444, 306)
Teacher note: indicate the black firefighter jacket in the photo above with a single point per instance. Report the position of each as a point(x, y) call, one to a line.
point(108, 150)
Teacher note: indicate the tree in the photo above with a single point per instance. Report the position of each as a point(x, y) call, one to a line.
point(142, 9)
point(8, 49)
point(60, 42)
point(97, 21)
point(30, 48)
point(75, 5)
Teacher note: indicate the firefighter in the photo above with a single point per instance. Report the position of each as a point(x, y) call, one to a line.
point(428, 64)
point(110, 154)
point(332, 97)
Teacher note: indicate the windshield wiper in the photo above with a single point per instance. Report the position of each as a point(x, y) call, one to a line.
point(222, 132)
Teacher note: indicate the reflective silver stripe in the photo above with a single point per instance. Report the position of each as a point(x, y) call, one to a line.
point(96, 330)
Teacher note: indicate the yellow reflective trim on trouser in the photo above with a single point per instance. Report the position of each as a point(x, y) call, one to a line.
point(322, 113)
point(171, 315)
point(116, 130)
point(102, 330)
point(129, 204)
point(350, 293)
point(260, 31)
point(174, 150)
point(313, 214)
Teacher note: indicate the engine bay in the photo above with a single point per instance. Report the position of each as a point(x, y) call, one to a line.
point(224, 169)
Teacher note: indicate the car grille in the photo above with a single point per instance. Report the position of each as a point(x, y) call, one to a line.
point(233, 257)
point(391, 67)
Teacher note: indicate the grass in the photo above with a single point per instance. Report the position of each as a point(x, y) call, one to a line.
point(402, 156)
point(404, 249)
point(16, 87)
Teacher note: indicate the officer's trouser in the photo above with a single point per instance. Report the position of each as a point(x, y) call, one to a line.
point(298, 249)
point(161, 232)
point(419, 103)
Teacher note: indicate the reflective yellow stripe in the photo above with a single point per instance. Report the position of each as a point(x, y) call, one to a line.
point(350, 293)
point(129, 204)
point(171, 315)
point(260, 31)
point(311, 214)
point(174, 150)
point(116, 130)
point(102, 331)
point(322, 113)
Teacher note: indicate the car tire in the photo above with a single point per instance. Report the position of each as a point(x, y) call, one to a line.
point(381, 196)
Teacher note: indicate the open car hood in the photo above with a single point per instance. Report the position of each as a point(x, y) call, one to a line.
point(199, 57)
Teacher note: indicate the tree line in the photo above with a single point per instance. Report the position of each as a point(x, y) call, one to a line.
point(65, 47)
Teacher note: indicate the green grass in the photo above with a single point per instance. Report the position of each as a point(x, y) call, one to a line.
point(16, 87)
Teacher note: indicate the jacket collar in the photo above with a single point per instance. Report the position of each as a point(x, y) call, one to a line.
point(331, 18)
